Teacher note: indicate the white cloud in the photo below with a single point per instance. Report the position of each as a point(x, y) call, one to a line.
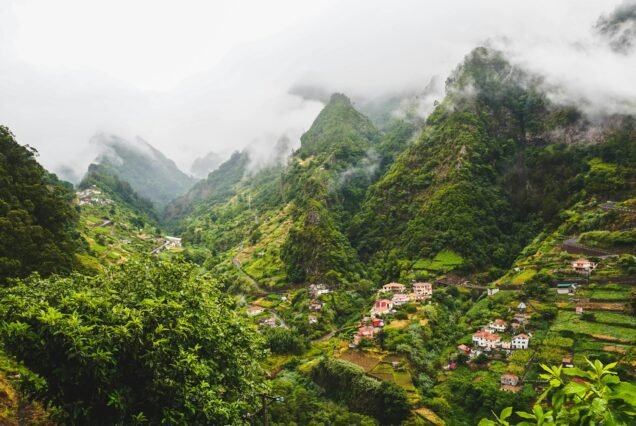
point(195, 76)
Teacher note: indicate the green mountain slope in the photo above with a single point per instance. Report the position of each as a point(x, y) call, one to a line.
point(288, 223)
point(117, 223)
point(488, 172)
point(37, 223)
point(149, 172)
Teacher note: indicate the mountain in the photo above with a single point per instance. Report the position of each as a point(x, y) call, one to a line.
point(202, 166)
point(290, 220)
point(495, 164)
point(147, 170)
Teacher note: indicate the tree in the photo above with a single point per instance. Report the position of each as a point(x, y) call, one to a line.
point(578, 397)
point(150, 341)
point(37, 222)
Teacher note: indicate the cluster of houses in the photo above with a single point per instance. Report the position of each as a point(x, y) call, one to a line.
point(420, 292)
point(315, 305)
point(488, 338)
point(255, 310)
point(91, 196)
point(371, 325)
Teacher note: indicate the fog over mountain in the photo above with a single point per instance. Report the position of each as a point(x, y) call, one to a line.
point(218, 77)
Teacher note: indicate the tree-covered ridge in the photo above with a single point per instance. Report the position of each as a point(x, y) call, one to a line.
point(147, 170)
point(148, 343)
point(486, 174)
point(99, 176)
point(37, 222)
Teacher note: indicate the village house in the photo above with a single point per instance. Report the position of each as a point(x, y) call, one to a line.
point(583, 266)
point(505, 344)
point(520, 318)
point(567, 363)
point(417, 297)
point(509, 382)
point(464, 349)
point(492, 291)
point(521, 307)
point(425, 289)
point(381, 307)
point(269, 322)
point(316, 290)
point(173, 242)
point(579, 310)
point(520, 341)
point(377, 322)
point(313, 319)
point(394, 288)
point(366, 331)
point(566, 288)
point(497, 325)
point(254, 310)
point(486, 339)
point(315, 306)
point(400, 299)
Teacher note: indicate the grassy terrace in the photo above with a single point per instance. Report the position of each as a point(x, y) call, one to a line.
point(569, 321)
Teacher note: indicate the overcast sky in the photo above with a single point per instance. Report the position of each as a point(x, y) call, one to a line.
point(197, 76)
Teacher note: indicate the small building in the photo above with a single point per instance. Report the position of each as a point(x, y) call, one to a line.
point(521, 307)
point(425, 289)
point(583, 266)
point(464, 349)
point(497, 325)
point(316, 290)
point(567, 362)
point(515, 326)
point(520, 341)
point(486, 339)
point(566, 288)
point(400, 299)
point(520, 318)
point(269, 322)
point(492, 291)
point(173, 242)
point(418, 297)
point(315, 306)
point(313, 319)
point(377, 322)
point(506, 344)
point(579, 310)
point(509, 379)
point(366, 332)
point(394, 288)
point(254, 310)
point(381, 307)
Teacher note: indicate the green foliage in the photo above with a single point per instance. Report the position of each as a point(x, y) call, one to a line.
point(347, 383)
point(598, 396)
point(284, 341)
point(148, 171)
point(149, 340)
point(100, 176)
point(37, 222)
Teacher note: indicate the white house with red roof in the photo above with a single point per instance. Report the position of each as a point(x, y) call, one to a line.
point(486, 339)
point(394, 288)
point(400, 299)
point(381, 307)
point(520, 341)
point(425, 289)
point(497, 325)
point(583, 266)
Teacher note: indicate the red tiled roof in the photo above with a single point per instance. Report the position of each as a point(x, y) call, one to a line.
point(393, 285)
point(486, 335)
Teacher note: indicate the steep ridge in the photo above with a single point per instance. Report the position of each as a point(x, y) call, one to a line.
point(147, 170)
point(494, 164)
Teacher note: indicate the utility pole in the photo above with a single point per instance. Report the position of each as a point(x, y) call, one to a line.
point(265, 400)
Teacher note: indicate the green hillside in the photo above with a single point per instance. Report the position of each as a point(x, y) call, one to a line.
point(147, 170)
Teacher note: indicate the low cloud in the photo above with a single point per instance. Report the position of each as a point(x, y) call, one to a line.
point(247, 84)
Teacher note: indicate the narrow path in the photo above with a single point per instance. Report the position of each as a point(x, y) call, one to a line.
point(325, 337)
point(572, 246)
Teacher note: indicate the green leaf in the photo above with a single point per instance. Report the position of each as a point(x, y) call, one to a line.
point(505, 413)
point(575, 388)
point(525, 415)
